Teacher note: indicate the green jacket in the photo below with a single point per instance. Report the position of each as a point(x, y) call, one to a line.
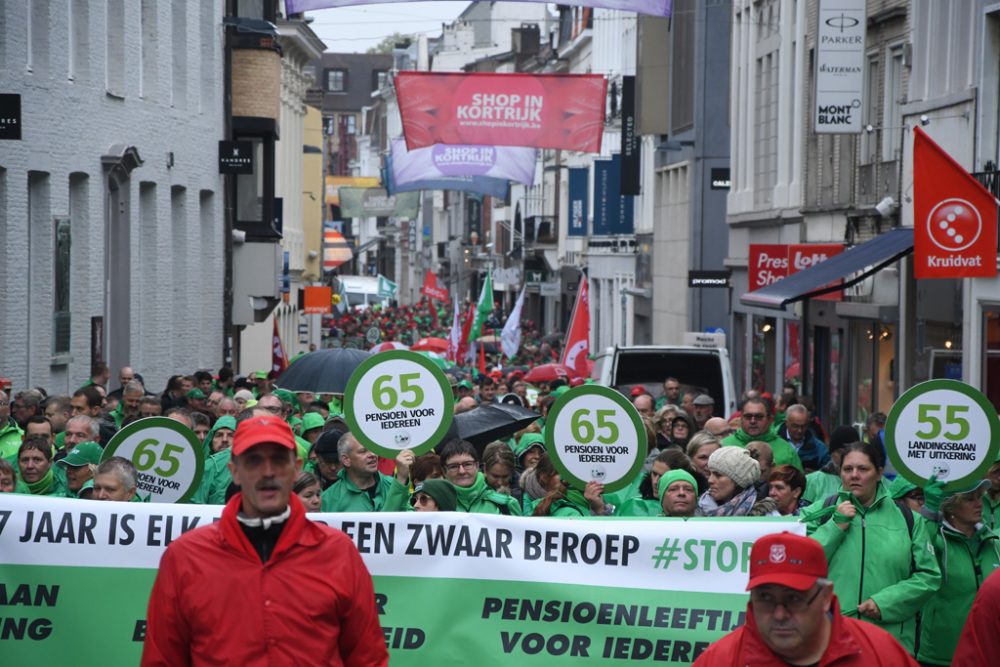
point(345, 496)
point(563, 508)
point(10, 439)
point(991, 513)
point(215, 480)
point(965, 563)
point(877, 558)
point(784, 453)
point(639, 506)
point(225, 421)
point(820, 486)
point(480, 498)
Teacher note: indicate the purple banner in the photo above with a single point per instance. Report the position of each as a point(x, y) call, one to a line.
point(445, 161)
point(651, 7)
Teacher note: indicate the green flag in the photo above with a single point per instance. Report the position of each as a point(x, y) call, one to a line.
point(483, 308)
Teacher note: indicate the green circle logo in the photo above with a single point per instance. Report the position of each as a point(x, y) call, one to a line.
point(398, 400)
point(593, 433)
point(944, 428)
point(166, 454)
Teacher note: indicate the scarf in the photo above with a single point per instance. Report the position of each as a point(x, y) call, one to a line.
point(533, 489)
point(469, 495)
point(42, 486)
point(738, 505)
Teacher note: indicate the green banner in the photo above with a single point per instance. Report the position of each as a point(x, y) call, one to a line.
point(451, 589)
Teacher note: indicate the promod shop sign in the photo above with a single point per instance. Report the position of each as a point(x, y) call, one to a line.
point(770, 262)
point(559, 111)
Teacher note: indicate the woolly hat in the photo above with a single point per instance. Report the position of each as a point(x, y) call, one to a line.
point(672, 476)
point(441, 491)
point(736, 464)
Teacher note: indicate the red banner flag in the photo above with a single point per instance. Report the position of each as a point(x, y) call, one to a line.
point(541, 110)
point(463, 342)
point(279, 361)
point(576, 352)
point(954, 217)
point(431, 288)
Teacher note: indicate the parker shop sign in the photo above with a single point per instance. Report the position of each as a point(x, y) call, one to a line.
point(840, 58)
point(770, 262)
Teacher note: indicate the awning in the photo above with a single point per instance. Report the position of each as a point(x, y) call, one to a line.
point(336, 249)
point(868, 258)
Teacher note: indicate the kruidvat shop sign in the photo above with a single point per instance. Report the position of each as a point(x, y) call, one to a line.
point(840, 57)
point(770, 262)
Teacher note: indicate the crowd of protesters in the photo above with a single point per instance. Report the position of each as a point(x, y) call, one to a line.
point(909, 560)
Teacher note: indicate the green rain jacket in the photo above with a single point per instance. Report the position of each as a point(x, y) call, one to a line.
point(480, 498)
point(345, 496)
point(784, 453)
point(965, 563)
point(991, 513)
point(225, 421)
point(573, 505)
point(215, 480)
point(10, 439)
point(877, 558)
point(820, 485)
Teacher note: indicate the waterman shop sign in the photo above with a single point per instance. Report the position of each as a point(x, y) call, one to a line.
point(840, 57)
point(235, 157)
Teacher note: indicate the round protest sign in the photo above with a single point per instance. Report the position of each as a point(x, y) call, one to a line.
point(594, 433)
point(944, 428)
point(398, 400)
point(167, 455)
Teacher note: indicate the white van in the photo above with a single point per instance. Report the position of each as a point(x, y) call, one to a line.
point(705, 370)
point(362, 292)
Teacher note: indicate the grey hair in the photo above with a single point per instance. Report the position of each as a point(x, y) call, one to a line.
point(345, 444)
point(93, 426)
point(798, 407)
point(699, 440)
point(133, 387)
point(122, 468)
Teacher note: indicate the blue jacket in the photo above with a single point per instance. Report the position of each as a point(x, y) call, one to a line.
point(812, 453)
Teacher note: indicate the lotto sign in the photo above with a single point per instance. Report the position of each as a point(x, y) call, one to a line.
point(954, 217)
point(166, 454)
point(770, 262)
point(398, 400)
point(944, 428)
point(594, 433)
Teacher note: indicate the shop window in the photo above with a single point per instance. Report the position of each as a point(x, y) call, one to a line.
point(991, 355)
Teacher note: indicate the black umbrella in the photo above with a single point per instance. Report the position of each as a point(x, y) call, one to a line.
point(495, 421)
point(322, 371)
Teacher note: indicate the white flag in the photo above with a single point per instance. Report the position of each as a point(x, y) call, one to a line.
point(455, 339)
point(510, 337)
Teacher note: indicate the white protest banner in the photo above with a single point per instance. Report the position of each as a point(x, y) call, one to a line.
point(451, 588)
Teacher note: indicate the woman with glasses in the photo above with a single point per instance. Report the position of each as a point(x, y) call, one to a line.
point(881, 564)
point(460, 461)
point(967, 552)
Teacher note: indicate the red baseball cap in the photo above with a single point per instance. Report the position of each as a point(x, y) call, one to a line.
point(638, 390)
point(787, 560)
point(259, 430)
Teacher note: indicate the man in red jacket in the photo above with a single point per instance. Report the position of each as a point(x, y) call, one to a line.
point(793, 617)
point(979, 645)
point(263, 585)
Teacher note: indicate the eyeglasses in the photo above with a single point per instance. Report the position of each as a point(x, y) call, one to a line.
point(793, 604)
point(754, 416)
point(464, 465)
point(273, 409)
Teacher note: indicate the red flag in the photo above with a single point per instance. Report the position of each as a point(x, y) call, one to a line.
point(576, 351)
point(432, 289)
point(279, 361)
point(482, 359)
point(954, 217)
point(463, 343)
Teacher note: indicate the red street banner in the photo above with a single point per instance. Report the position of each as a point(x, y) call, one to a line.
point(279, 362)
point(431, 288)
point(954, 217)
point(770, 262)
point(542, 110)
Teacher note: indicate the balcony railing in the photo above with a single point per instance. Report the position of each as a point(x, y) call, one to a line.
point(990, 178)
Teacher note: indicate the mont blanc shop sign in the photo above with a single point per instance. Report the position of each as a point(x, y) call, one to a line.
point(235, 157)
point(840, 58)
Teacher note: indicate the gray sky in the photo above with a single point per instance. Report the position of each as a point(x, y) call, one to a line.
point(356, 29)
